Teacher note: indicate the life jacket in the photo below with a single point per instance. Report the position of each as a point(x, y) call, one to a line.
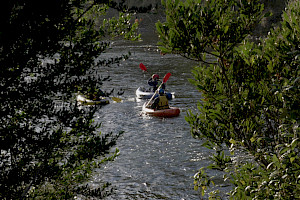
point(163, 103)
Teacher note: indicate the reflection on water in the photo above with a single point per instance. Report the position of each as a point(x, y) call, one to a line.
point(158, 157)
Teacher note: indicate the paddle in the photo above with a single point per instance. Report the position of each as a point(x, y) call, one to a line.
point(143, 67)
point(116, 99)
point(167, 76)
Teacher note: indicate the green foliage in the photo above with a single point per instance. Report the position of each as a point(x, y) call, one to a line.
point(194, 28)
point(48, 50)
point(202, 181)
point(121, 27)
point(250, 91)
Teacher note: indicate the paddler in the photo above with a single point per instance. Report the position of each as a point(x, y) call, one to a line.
point(161, 102)
point(155, 82)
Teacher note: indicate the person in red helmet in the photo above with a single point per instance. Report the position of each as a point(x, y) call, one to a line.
point(155, 82)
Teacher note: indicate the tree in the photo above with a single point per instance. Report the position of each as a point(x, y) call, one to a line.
point(250, 92)
point(48, 48)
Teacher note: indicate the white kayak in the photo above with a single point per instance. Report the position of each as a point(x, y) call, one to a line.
point(84, 101)
point(171, 112)
point(142, 93)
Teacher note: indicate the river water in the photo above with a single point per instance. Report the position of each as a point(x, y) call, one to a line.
point(158, 157)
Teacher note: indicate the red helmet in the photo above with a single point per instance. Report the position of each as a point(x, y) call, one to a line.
point(155, 76)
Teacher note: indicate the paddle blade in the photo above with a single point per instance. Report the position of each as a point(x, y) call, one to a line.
point(116, 99)
point(143, 67)
point(167, 76)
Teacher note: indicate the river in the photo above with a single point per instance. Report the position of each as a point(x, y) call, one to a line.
point(158, 157)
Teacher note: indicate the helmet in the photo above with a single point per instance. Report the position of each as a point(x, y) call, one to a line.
point(161, 91)
point(155, 76)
